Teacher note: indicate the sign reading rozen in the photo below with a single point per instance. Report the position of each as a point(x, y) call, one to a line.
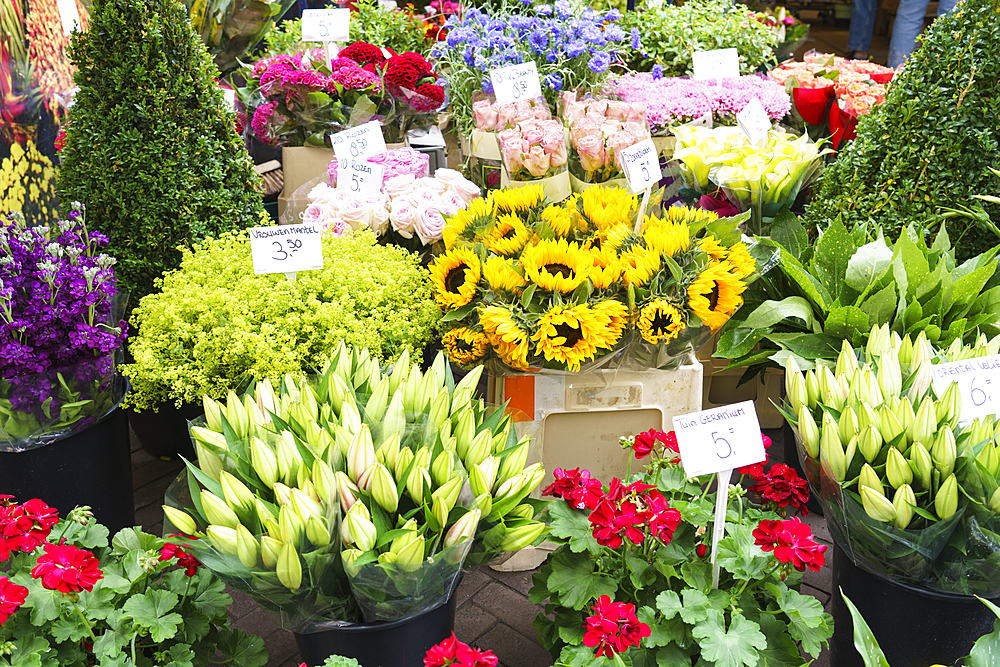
point(516, 82)
point(975, 378)
point(717, 64)
point(286, 248)
point(326, 25)
point(360, 176)
point(642, 165)
point(359, 142)
point(719, 439)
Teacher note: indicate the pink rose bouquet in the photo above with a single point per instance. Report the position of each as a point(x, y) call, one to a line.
point(533, 149)
point(397, 162)
point(490, 116)
point(598, 130)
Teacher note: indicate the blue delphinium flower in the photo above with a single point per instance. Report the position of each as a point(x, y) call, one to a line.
point(538, 40)
point(657, 72)
point(544, 10)
point(487, 85)
point(575, 48)
point(563, 9)
point(553, 81)
point(600, 62)
point(636, 38)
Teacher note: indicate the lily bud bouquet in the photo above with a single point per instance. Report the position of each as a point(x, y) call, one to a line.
point(911, 491)
point(356, 496)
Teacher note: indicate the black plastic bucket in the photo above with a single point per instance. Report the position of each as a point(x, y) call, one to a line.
point(392, 644)
point(913, 626)
point(165, 432)
point(92, 467)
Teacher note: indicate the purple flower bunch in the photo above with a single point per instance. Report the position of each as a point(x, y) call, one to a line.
point(397, 162)
point(59, 323)
point(675, 101)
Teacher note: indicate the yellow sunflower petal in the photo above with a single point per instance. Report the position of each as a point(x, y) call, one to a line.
point(501, 275)
point(616, 314)
point(660, 321)
point(607, 269)
point(465, 345)
point(605, 207)
point(556, 265)
point(509, 341)
point(519, 200)
point(667, 238)
point(639, 265)
point(716, 294)
point(455, 276)
point(508, 235)
point(559, 219)
point(742, 261)
point(713, 248)
point(568, 335)
point(476, 213)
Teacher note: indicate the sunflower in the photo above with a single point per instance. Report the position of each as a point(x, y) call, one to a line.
point(465, 345)
point(518, 200)
point(639, 265)
point(455, 275)
point(713, 248)
point(479, 209)
point(507, 236)
point(660, 321)
point(556, 265)
point(607, 207)
point(568, 335)
point(610, 237)
point(668, 238)
point(614, 320)
point(501, 275)
point(607, 269)
point(509, 341)
point(692, 217)
point(743, 262)
point(716, 294)
point(559, 219)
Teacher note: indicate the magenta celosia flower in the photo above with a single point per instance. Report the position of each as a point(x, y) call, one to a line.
point(353, 77)
point(308, 78)
point(261, 119)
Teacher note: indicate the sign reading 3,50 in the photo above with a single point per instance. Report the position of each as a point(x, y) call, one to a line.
point(286, 248)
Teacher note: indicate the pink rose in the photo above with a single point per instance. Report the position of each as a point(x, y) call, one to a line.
point(485, 115)
point(597, 118)
point(429, 223)
point(402, 216)
point(532, 134)
point(512, 150)
point(313, 215)
point(553, 139)
point(398, 186)
point(585, 127)
point(536, 161)
point(542, 112)
point(609, 128)
point(432, 184)
point(462, 186)
point(636, 114)
point(380, 218)
point(639, 131)
point(423, 195)
point(618, 110)
point(591, 152)
point(337, 228)
point(506, 115)
point(620, 140)
point(452, 201)
point(504, 136)
point(557, 158)
point(356, 213)
point(598, 107)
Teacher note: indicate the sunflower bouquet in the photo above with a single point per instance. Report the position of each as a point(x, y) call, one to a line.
point(526, 283)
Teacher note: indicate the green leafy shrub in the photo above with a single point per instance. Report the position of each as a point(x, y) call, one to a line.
point(152, 152)
point(671, 33)
point(215, 325)
point(931, 144)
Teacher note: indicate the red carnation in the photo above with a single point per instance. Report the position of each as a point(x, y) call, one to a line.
point(783, 486)
point(184, 559)
point(363, 53)
point(613, 628)
point(792, 542)
point(12, 596)
point(67, 569)
point(576, 488)
point(453, 652)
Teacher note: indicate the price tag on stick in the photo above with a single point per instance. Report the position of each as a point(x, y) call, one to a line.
point(754, 121)
point(286, 249)
point(719, 439)
point(978, 384)
point(717, 64)
point(326, 25)
point(360, 177)
point(516, 82)
point(359, 142)
point(641, 164)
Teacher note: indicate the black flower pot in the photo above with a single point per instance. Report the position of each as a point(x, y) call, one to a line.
point(92, 467)
point(913, 626)
point(165, 432)
point(388, 644)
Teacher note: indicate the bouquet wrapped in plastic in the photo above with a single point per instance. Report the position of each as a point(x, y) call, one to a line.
point(61, 330)
point(232, 28)
point(357, 495)
point(598, 129)
point(534, 151)
point(395, 162)
point(526, 284)
point(909, 488)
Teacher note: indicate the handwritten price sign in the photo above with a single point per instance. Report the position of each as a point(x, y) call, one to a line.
point(326, 25)
point(361, 177)
point(286, 249)
point(754, 121)
point(719, 439)
point(717, 64)
point(642, 165)
point(359, 142)
point(978, 384)
point(516, 82)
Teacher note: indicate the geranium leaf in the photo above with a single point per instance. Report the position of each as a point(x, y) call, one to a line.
point(27, 652)
point(582, 656)
point(739, 555)
point(781, 651)
point(695, 607)
point(669, 604)
point(697, 574)
point(153, 611)
point(180, 656)
point(733, 648)
point(573, 525)
point(245, 650)
point(570, 625)
point(210, 597)
point(637, 569)
point(809, 624)
point(574, 579)
point(672, 655)
point(662, 633)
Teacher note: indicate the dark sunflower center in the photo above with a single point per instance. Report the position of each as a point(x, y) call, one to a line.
point(455, 279)
point(713, 296)
point(661, 321)
point(510, 233)
point(463, 345)
point(572, 335)
point(563, 270)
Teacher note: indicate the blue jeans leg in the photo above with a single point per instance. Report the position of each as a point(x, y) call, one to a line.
point(862, 25)
point(909, 23)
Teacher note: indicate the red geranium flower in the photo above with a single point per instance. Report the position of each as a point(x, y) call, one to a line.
point(613, 628)
point(184, 559)
point(575, 487)
point(11, 597)
point(645, 443)
point(25, 527)
point(783, 486)
point(661, 518)
point(701, 550)
point(453, 652)
point(792, 542)
point(67, 569)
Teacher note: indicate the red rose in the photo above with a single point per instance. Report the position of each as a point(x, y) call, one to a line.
point(67, 569)
point(12, 596)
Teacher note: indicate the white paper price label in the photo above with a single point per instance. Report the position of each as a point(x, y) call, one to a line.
point(642, 165)
point(326, 25)
point(719, 439)
point(717, 64)
point(388, 4)
point(754, 121)
point(359, 142)
point(978, 384)
point(516, 82)
point(230, 96)
point(360, 177)
point(69, 15)
point(286, 249)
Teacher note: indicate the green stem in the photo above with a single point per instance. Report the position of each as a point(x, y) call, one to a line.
point(756, 581)
point(90, 630)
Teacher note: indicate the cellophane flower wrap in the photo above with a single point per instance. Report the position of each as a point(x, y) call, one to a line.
point(61, 330)
point(908, 487)
point(533, 149)
point(598, 129)
point(573, 286)
point(490, 116)
point(632, 577)
point(760, 178)
point(357, 495)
